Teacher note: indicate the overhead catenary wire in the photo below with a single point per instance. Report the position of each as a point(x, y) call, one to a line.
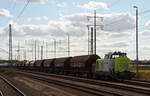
point(140, 13)
point(14, 6)
point(144, 12)
point(112, 23)
point(22, 10)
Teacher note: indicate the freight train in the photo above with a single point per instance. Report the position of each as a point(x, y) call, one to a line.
point(115, 65)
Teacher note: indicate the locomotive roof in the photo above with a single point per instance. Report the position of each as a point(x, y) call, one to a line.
point(117, 53)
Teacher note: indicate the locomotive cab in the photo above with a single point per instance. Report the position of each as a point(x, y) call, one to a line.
point(123, 69)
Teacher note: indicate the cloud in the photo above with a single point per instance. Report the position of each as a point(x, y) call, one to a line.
point(147, 24)
point(34, 1)
point(38, 18)
point(145, 33)
point(75, 25)
point(119, 35)
point(62, 4)
point(115, 44)
point(146, 48)
point(93, 5)
point(31, 30)
point(118, 22)
point(45, 18)
point(41, 18)
point(5, 13)
point(2, 31)
point(29, 19)
point(25, 30)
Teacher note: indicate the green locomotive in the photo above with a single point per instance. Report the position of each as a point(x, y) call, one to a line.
point(114, 65)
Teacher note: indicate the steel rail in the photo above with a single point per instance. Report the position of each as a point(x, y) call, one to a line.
point(14, 87)
point(137, 82)
point(1, 94)
point(87, 89)
point(146, 81)
point(91, 81)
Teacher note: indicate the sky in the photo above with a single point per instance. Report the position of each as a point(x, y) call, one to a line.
point(44, 21)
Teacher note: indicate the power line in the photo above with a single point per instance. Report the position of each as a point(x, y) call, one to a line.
point(14, 5)
point(55, 48)
point(4, 50)
point(143, 12)
point(35, 50)
point(68, 44)
point(41, 52)
point(22, 10)
point(46, 49)
point(94, 33)
point(140, 13)
point(10, 42)
point(18, 51)
point(38, 50)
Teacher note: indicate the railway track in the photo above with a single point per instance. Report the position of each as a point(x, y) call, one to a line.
point(17, 91)
point(132, 82)
point(145, 81)
point(135, 89)
point(138, 82)
point(88, 89)
point(1, 94)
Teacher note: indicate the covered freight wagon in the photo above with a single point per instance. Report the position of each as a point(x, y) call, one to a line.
point(27, 65)
point(38, 65)
point(21, 64)
point(62, 65)
point(48, 65)
point(83, 64)
point(31, 65)
point(17, 64)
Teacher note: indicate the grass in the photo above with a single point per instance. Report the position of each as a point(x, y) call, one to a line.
point(143, 74)
point(2, 70)
point(8, 73)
